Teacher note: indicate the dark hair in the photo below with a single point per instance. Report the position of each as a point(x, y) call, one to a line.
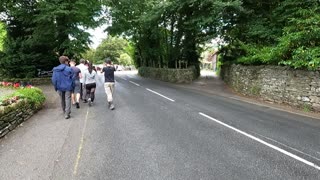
point(82, 61)
point(90, 67)
point(63, 59)
point(108, 60)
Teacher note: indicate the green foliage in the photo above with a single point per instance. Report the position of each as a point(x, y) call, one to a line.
point(125, 59)
point(35, 96)
point(168, 31)
point(40, 31)
point(2, 35)
point(275, 32)
point(112, 47)
point(306, 107)
point(90, 55)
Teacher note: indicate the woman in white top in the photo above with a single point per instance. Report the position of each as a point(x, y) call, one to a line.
point(89, 79)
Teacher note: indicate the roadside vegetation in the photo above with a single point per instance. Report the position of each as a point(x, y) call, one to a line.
point(159, 33)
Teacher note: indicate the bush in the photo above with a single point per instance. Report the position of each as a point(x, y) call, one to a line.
point(34, 96)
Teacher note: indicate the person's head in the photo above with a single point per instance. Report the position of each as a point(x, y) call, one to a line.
point(90, 67)
point(86, 62)
point(82, 61)
point(72, 62)
point(63, 59)
point(108, 61)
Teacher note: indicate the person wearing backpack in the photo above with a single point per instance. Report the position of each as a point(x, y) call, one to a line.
point(63, 84)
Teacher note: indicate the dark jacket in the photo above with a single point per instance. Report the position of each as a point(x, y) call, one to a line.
point(62, 78)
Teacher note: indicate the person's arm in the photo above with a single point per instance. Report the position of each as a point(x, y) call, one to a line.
point(80, 75)
point(84, 79)
point(54, 80)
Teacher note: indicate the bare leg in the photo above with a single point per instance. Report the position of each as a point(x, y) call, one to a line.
point(73, 98)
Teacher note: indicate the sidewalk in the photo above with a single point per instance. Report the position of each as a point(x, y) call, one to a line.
point(33, 150)
point(210, 83)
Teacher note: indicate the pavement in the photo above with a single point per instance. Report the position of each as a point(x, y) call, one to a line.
point(163, 131)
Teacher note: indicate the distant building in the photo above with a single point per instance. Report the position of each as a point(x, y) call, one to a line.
point(212, 59)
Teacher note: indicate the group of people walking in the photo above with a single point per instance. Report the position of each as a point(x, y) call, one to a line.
point(78, 82)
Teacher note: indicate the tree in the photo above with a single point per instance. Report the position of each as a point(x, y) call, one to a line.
point(168, 32)
point(111, 47)
point(274, 32)
point(125, 60)
point(2, 35)
point(39, 31)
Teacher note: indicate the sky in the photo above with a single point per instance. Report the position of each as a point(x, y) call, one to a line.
point(97, 35)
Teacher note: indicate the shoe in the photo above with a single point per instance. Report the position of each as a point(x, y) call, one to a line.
point(67, 116)
point(85, 101)
point(90, 102)
point(111, 106)
point(77, 105)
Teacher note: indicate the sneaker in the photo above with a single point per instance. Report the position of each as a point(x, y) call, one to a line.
point(85, 101)
point(67, 116)
point(77, 105)
point(111, 106)
point(90, 102)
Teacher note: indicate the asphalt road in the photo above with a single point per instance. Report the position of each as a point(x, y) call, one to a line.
point(161, 131)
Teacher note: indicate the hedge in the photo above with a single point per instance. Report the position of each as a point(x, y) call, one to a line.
point(169, 75)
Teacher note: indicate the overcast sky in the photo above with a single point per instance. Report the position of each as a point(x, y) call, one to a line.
point(97, 35)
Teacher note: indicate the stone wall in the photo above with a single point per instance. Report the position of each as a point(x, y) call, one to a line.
point(299, 88)
point(13, 115)
point(169, 75)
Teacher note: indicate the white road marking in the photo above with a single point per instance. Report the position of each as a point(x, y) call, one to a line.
point(161, 95)
point(76, 165)
point(294, 149)
point(263, 142)
point(134, 83)
point(123, 78)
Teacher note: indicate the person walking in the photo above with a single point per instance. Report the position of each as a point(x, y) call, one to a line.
point(90, 77)
point(83, 67)
point(77, 85)
point(63, 84)
point(109, 84)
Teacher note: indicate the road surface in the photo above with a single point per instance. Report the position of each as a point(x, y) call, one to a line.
point(161, 131)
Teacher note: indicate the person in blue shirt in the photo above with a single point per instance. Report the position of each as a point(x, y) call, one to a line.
point(62, 80)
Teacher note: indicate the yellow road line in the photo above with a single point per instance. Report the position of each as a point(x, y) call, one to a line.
point(76, 165)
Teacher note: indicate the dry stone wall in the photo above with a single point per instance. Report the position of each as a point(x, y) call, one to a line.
point(13, 115)
point(168, 75)
point(299, 88)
